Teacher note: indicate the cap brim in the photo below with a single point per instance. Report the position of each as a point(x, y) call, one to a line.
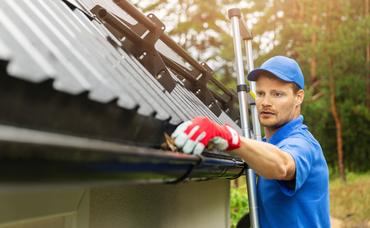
point(253, 75)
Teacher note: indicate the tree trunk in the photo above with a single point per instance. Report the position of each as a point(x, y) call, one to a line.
point(313, 59)
point(337, 120)
point(301, 10)
point(366, 3)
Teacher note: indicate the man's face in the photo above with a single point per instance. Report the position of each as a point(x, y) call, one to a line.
point(276, 101)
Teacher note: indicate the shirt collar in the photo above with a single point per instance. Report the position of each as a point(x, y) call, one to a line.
point(284, 131)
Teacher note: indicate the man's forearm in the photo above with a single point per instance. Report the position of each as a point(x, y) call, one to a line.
point(267, 160)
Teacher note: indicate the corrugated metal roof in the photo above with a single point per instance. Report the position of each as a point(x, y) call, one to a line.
point(45, 39)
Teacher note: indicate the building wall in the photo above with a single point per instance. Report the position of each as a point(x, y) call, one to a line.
point(195, 204)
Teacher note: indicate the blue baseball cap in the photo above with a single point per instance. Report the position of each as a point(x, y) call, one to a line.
point(282, 67)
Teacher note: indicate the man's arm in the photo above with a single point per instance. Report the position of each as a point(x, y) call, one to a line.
point(266, 159)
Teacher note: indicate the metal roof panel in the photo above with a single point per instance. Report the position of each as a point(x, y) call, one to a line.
point(45, 39)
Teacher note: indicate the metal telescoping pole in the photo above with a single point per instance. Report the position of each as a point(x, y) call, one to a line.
point(256, 124)
point(242, 94)
point(235, 16)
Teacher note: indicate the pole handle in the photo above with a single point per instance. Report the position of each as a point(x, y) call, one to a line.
point(234, 12)
point(245, 33)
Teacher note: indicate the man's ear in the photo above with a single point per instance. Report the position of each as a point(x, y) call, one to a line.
point(299, 97)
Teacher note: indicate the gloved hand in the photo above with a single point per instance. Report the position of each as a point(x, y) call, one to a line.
point(193, 136)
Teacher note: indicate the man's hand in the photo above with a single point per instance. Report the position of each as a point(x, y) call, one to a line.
point(193, 136)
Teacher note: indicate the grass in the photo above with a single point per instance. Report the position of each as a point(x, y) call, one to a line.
point(349, 201)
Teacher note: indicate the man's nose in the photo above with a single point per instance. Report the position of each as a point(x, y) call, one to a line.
point(265, 101)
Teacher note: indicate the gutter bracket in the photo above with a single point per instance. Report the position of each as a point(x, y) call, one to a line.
point(142, 48)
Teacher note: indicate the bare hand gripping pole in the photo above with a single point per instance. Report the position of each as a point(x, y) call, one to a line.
point(240, 30)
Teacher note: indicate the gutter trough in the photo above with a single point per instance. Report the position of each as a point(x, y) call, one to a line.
point(32, 157)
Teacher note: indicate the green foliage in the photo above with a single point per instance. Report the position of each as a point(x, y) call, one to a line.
point(238, 205)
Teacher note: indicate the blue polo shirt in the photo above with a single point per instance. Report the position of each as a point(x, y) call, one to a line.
point(304, 201)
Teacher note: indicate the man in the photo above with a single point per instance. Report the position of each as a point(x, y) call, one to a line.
point(292, 188)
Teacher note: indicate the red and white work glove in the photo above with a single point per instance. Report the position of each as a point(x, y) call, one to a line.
point(193, 136)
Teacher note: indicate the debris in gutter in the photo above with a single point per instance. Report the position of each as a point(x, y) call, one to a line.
point(169, 145)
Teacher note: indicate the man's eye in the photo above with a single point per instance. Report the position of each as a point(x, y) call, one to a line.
point(259, 94)
point(277, 94)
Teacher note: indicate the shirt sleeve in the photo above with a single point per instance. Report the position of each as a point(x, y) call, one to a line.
point(301, 151)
